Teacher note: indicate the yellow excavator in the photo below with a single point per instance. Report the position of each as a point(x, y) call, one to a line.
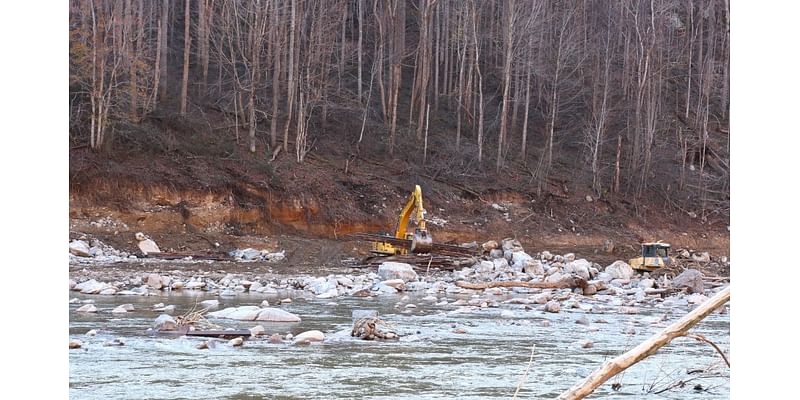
point(421, 241)
point(655, 255)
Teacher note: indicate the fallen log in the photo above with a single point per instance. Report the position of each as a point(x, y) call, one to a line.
point(213, 333)
point(569, 282)
point(646, 348)
point(194, 255)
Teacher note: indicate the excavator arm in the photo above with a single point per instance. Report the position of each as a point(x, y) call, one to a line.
point(420, 241)
point(414, 203)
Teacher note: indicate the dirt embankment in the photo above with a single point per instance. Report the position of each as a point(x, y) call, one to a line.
point(307, 209)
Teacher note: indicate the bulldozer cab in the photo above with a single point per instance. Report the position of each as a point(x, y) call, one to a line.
point(654, 255)
point(655, 250)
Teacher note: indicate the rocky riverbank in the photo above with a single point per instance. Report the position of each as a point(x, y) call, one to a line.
point(614, 288)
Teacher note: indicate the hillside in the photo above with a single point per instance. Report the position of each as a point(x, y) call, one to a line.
point(563, 126)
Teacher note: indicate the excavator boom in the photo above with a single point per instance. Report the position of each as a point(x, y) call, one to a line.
point(421, 241)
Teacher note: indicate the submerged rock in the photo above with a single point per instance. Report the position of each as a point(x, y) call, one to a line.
point(552, 306)
point(88, 308)
point(209, 303)
point(165, 322)
point(258, 330)
point(311, 336)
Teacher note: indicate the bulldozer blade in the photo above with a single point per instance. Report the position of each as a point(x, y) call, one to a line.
point(421, 243)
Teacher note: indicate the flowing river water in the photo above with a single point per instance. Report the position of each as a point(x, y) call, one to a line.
point(433, 359)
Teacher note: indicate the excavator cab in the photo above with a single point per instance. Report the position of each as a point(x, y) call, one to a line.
point(654, 255)
point(421, 241)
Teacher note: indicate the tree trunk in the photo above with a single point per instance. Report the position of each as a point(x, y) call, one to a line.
point(647, 348)
point(164, 49)
point(291, 71)
point(187, 44)
point(506, 81)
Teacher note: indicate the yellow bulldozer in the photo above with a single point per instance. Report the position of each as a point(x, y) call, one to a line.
point(654, 255)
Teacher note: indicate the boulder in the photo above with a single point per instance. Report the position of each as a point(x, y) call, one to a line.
point(519, 258)
point(703, 257)
point(511, 244)
point(496, 253)
point(646, 283)
point(556, 277)
point(490, 245)
point(696, 298)
point(692, 279)
point(552, 306)
point(243, 313)
point(146, 245)
point(484, 267)
point(619, 270)
point(500, 264)
point(275, 338)
point(533, 267)
point(578, 267)
point(91, 287)
point(569, 257)
point(276, 315)
point(88, 308)
point(397, 270)
point(322, 285)
point(255, 313)
point(79, 248)
point(154, 281)
point(383, 288)
point(74, 344)
point(195, 285)
point(258, 330)
point(541, 298)
point(546, 255)
point(310, 336)
point(395, 283)
point(165, 322)
point(236, 342)
point(119, 310)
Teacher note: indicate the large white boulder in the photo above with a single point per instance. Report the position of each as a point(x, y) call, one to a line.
point(396, 270)
point(619, 270)
point(310, 336)
point(79, 248)
point(146, 245)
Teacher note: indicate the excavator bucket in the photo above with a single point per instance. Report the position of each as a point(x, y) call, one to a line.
point(421, 242)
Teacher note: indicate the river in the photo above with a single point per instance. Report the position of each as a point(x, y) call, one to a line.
point(430, 361)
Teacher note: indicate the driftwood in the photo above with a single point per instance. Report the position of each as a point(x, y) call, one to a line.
point(215, 333)
point(646, 348)
point(569, 282)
